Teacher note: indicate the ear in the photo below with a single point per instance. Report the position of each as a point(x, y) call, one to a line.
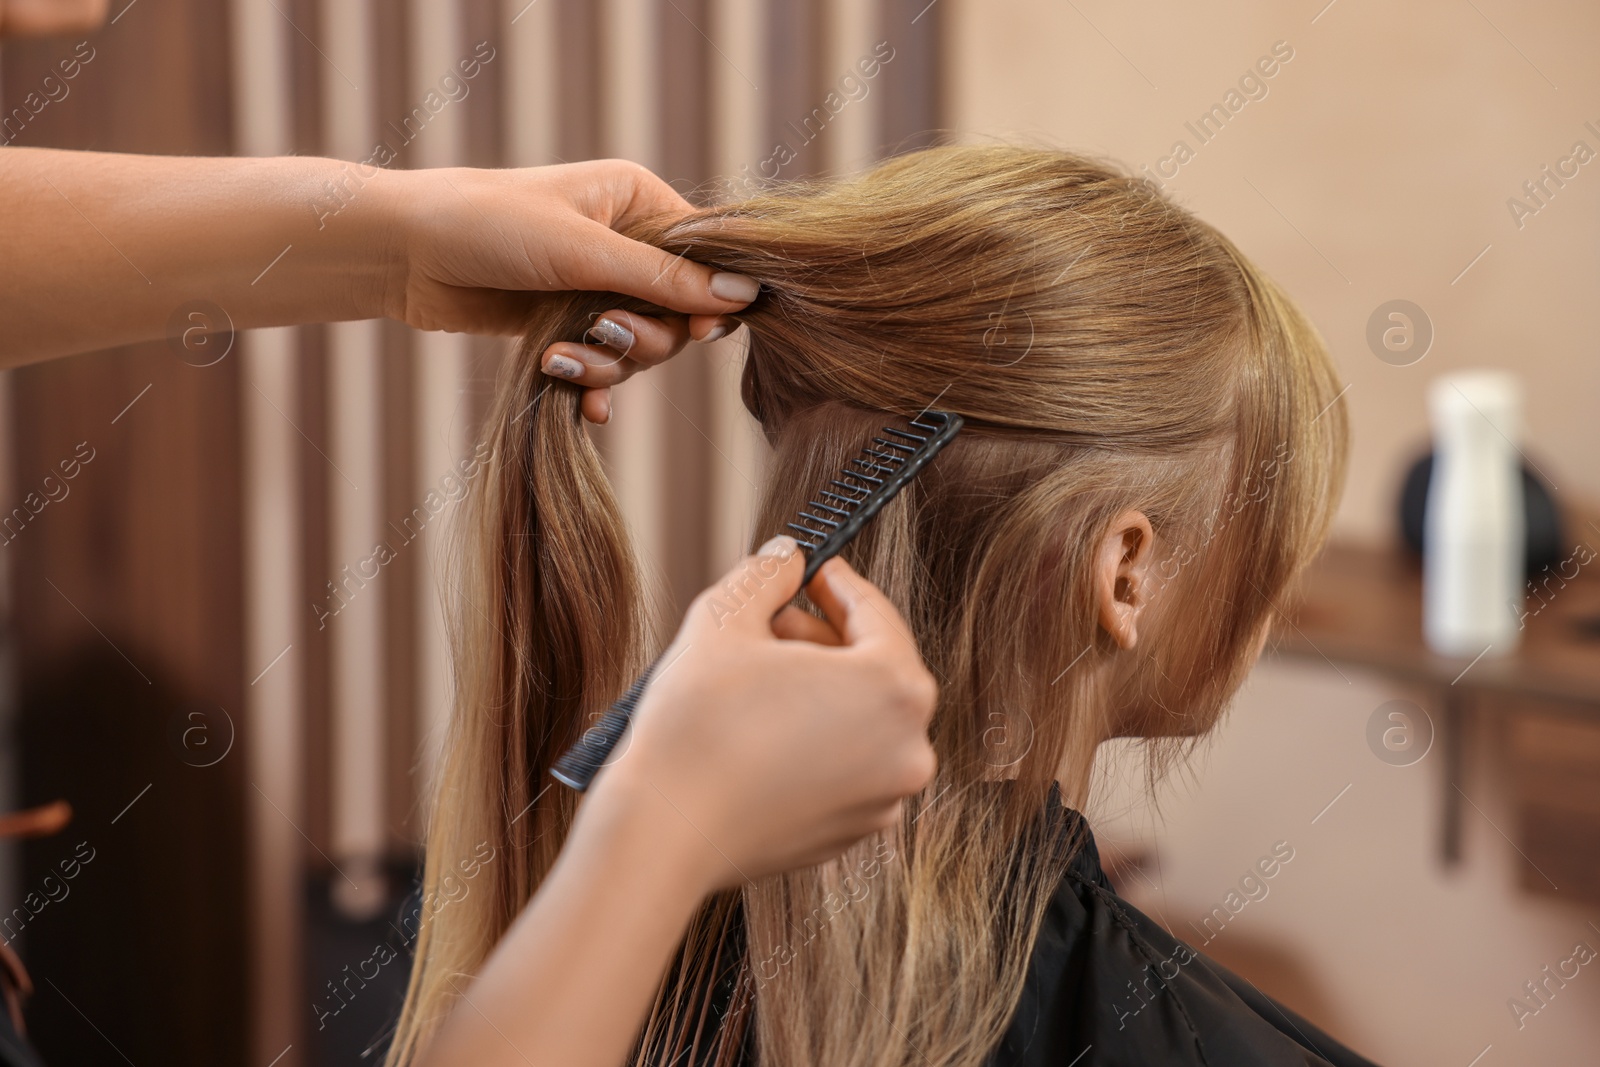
point(1122, 575)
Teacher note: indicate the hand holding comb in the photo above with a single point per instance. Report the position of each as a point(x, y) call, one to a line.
point(825, 525)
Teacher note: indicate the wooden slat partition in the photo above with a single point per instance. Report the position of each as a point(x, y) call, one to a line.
point(192, 565)
point(127, 613)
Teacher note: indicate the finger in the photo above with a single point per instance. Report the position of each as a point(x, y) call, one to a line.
point(708, 328)
point(596, 406)
point(642, 338)
point(587, 365)
point(793, 624)
point(857, 609)
point(610, 262)
point(752, 592)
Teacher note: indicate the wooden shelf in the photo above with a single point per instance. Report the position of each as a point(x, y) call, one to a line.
point(1361, 607)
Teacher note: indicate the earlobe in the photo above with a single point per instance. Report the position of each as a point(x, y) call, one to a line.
point(1122, 575)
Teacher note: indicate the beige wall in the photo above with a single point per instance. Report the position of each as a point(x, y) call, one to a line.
point(1378, 166)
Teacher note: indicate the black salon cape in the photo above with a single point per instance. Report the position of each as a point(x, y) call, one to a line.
point(1108, 987)
point(14, 1051)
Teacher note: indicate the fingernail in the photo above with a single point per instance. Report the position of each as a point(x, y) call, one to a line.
point(717, 333)
point(725, 285)
point(563, 367)
point(783, 546)
point(612, 334)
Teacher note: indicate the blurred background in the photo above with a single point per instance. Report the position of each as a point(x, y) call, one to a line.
point(207, 656)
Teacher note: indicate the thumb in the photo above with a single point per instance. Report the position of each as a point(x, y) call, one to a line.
point(613, 263)
point(755, 590)
point(859, 610)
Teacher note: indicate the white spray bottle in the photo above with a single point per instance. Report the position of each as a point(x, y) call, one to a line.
point(1472, 588)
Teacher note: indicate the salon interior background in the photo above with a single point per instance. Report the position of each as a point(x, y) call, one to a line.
point(224, 645)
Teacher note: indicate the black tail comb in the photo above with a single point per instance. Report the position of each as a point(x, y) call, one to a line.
point(866, 484)
point(845, 505)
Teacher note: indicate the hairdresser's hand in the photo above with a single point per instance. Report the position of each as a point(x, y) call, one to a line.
point(754, 753)
point(475, 242)
point(100, 249)
point(748, 755)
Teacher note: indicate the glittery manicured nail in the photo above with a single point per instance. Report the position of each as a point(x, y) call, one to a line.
point(717, 333)
point(563, 367)
point(737, 288)
point(612, 334)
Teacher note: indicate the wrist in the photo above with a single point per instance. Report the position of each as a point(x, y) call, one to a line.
point(362, 208)
point(630, 822)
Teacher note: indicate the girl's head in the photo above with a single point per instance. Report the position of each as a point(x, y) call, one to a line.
point(1154, 447)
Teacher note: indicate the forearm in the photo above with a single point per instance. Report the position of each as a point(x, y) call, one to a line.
point(99, 249)
point(572, 981)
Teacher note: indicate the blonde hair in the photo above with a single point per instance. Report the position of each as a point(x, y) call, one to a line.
point(1109, 352)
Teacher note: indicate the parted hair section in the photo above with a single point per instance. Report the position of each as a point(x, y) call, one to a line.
point(1109, 352)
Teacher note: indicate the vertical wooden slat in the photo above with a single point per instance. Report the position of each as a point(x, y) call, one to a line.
point(404, 595)
point(483, 23)
point(395, 96)
point(441, 419)
point(274, 625)
point(683, 55)
point(848, 40)
point(274, 618)
point(912, 111)
point(581, 79)
point(683, 71)
point(738, 119)
point(483, 139)
point(308, 70)
point(316, 553)
point(629, 125)
point(793, 74)
point(486, 22)
point(355, 387)
point(393, 57)
point(306, 74)
point(532, 53)
point(10, 857)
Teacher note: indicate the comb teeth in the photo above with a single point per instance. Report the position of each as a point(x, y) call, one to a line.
point(859, 478)
point(868, 481)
